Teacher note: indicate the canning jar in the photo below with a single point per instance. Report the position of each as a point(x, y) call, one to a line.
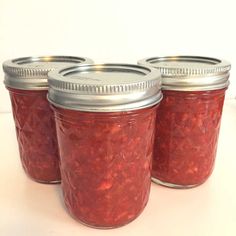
point(26, 80)
point(188, 120)
point(105, 120)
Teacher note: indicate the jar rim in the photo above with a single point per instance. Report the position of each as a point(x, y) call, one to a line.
point(190, 73)
point(105, 87)
point(31, 73)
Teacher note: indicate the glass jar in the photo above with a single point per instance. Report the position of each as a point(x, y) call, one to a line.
point(105, 120)
point(26, 80)
point(188, 119)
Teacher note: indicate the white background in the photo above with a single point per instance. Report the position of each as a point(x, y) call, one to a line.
point(117, 30)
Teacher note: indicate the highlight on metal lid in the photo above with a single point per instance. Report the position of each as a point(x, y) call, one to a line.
point(32, 72)
point(190, 73)
point(105, 87)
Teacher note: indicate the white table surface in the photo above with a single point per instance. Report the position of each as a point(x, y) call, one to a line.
point(32, 209)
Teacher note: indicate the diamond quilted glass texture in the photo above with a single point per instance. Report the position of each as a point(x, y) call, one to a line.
point(105, 164)
point(36, 134)
point(188, 126)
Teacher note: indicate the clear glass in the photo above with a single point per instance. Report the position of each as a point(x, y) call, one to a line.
point(105, 164)
point(36, 134)
point(187, 131)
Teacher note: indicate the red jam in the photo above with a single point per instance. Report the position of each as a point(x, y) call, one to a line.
point(105, 164)
point(188, 125)
point(36, 134)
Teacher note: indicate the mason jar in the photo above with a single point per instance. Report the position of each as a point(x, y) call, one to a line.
point(188, 119)
point(105, 120)
point(26, 80)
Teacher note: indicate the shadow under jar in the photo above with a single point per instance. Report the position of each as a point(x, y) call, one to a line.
point(105, 119)
point(26, 80)
point(188, 119)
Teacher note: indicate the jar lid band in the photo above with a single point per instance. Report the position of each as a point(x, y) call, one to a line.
point(190, 73)
point(105, 87)
point(32, 72)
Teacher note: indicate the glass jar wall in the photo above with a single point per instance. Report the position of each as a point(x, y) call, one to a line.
point(188, 126)
point(106, 163)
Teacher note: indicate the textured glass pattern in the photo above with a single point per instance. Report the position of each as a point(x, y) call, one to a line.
point(187, 132)
point(106, 164)
point(36, 134)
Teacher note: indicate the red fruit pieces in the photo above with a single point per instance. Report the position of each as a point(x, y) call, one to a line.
point(36, 134)
point(105, 186)
point(105, 163)
point(186, 136)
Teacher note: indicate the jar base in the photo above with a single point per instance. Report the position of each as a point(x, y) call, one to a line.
point(43, 181)
point(102, 227)
point(171, 185)
point(47, 182)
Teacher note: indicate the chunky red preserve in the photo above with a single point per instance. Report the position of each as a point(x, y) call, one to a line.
point(105, 163)
point(188, 125)
point(36, 134)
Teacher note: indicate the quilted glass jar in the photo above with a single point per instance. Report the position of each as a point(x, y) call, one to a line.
point(105, 120)
point(26, 80)
point(188, 120)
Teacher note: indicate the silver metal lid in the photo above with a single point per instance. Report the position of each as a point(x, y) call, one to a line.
point(31, 73)
point(105, 87)
point(190, 73)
